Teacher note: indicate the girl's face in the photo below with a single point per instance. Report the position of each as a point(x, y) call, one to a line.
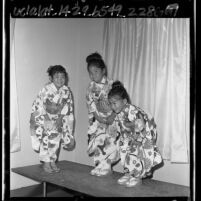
point(117, 103)
point(96, 74)
point(59, 79)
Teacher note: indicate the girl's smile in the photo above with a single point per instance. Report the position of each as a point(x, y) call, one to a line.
point(59, 79)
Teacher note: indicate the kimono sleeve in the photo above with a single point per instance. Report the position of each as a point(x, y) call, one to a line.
point(90, 102)
point(67, 114)
point(37, 120)
point(131, 113)
point(135, 115)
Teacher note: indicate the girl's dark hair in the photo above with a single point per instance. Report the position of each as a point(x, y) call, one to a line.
point(119, 90)
point(96, 60)
point(56, 69)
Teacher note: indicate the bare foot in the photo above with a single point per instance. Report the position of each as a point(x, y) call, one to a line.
point(54, 167)
point(47, 168)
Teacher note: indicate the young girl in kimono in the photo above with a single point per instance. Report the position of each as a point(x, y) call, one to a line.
point(52, 119)
point(102, 132)
point(137, 144)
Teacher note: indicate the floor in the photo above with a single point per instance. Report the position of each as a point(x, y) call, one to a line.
point(37, 191)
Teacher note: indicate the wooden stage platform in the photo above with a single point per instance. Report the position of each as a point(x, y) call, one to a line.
point(76, 177)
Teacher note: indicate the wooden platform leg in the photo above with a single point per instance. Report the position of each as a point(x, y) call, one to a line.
point(44, 189)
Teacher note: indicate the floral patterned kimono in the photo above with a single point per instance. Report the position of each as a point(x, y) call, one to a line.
point(102, 138)
point(55, 106)
point(137, 143)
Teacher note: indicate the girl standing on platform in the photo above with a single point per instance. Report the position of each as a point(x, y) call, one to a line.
point(102, 131)
point(52, 119)
point(137, 142)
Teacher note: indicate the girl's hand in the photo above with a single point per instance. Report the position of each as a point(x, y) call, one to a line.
point(110, 119)
point(100, 119)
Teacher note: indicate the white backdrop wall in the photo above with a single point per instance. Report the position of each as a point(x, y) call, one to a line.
point(40, 43)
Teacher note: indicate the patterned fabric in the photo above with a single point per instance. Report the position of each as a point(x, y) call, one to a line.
point(138, 150)
point(102, 138)
point(51, 121)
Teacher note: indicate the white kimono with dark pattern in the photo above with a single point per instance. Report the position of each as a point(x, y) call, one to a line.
point(102, 138)
point(55, 106)
point(138, 150)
